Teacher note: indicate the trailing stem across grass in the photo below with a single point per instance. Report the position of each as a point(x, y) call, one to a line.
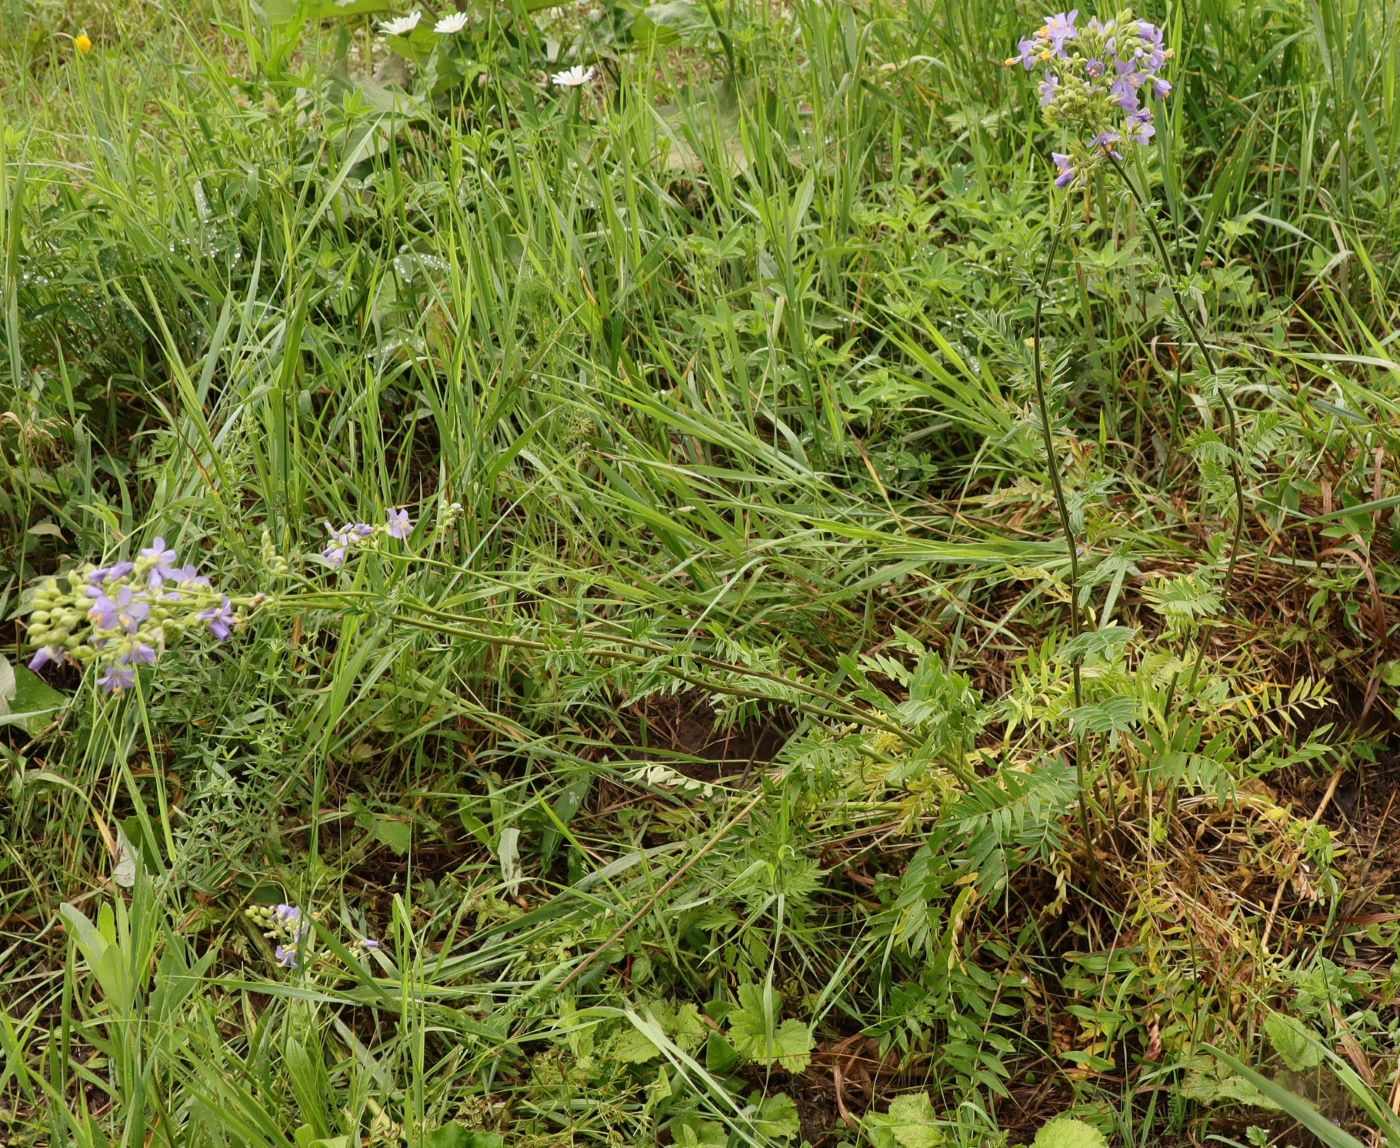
point(697, 350)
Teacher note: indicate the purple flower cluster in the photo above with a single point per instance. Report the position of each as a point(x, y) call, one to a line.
point(287, 927)
point(352, 534)
point(122, 616)
point(1099, 81)
point(288, 924)
point(343, 540)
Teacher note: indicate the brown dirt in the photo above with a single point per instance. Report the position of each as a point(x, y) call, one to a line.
point(683, 732)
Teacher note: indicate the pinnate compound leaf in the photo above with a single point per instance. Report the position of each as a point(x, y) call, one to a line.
point(1112, 715)
point(1106, 644)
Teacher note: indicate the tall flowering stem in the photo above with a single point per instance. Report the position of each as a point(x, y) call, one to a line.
point(1098, 85)
point(1052, 465)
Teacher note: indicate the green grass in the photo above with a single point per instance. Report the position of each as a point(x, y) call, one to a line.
point(714, 774)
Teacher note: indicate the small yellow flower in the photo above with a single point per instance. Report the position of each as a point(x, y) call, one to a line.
point(83, 42)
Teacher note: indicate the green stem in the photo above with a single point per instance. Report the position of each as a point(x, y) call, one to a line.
point(1062, 507)
point(826, 706)
point(1236, 477)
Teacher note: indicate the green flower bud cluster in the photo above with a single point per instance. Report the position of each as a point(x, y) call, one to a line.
point(448, 515)
point(272, 559)
point(290, 931)
point(116, 618)
point(287, 928)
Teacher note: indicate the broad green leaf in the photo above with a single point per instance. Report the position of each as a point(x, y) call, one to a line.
point(103, 956)
point(1293, 1041)
point(778, 1118)
point(1208, 1089)
point(670, 22)
point(681, 1023)
point(460, 1136)
point(757, 1036)
point(26, 699)
point(1301, 1110)
point(633, 1047)
point(720, 1055)
point(398, 835)
point(699, 1134)
point(909, 1123)
point(1066, 1132)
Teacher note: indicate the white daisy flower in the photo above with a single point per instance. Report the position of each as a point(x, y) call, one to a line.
point(402, 25)
point(451, 25)
point(574, 77)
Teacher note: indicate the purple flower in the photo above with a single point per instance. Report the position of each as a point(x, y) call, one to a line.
point(1063, 162)
point(140, 652)
point(44, 656)
point(220, 619)
point(108, 573)
point(399, 525)
point(1141, 130)
point(1060, 27)
point(288, 914)
point(1105, 141)
point(164, 560)
point(117, 678)
point(1093, 68)
point(371, 943)
point(188, 575)
point(1125, 93)
point(1029, 51)
point(287, 955)
point(1047, 89)
point(335, 555)
point(358, 529)
point(124, 612)
point(1161, 88)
